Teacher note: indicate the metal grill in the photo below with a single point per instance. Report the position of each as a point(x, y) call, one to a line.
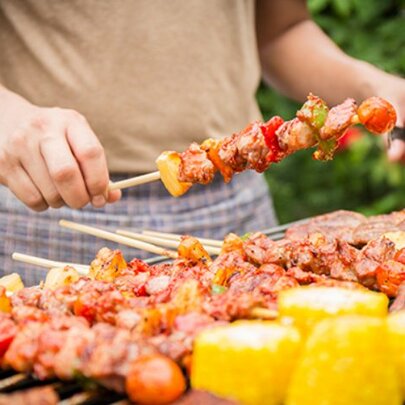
point(68, 392)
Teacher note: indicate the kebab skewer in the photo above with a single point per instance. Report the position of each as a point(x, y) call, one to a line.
point(261, 144)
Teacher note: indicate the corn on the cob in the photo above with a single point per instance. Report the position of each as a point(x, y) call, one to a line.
point(305, 306)
point(248, 361)
point(346, 361)
point(396, 330)
point(168, 164)
point(59, 277)
point(12, 282)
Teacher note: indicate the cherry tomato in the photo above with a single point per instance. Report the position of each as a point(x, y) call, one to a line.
point(154, 379)
point(377, 115)
point(390, 275)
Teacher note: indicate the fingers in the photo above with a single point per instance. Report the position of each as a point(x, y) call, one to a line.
point(90, 156)
point(396, 151)
point(39, 175)
point(24, 189)
point(64, 171)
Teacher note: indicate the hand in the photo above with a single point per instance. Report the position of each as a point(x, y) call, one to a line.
point(50, 157)
point(392, 88)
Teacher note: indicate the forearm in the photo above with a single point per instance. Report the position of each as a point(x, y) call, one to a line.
point(303, 59)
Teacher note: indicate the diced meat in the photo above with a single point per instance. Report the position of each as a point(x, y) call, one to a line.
point(252, 148)
point(195, 397)
point(195, 166)
point(295, 135)
point(339, 119)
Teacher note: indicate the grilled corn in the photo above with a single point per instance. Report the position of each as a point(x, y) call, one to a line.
point(248, 361)
point(396, 330)
point(168, 164)
point(346, 362)
point(305, 306)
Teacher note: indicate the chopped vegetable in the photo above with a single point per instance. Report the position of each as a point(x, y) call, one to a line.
point(305, 306)
point(314, 112)
point(168, 164)
point(12, 282)
point(154, 379)
point(249, 361)
point(269, 132)
point(346, 361)
point(212, 146)
point(5, 304)
point(191, 248)
point(59, 277)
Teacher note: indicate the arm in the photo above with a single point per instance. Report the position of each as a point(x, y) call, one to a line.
point(50, 157)
point(297, 57)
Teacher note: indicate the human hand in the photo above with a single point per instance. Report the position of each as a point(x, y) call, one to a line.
point(50, 157)
point(392, 88)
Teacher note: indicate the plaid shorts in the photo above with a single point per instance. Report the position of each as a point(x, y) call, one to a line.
point(212, 211)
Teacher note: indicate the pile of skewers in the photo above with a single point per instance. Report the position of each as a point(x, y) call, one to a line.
point(154, 315)
point(260, 144)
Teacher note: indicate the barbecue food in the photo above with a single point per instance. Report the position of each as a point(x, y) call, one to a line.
point(155, 380)
point(346, 360)
point(396, 331)
point(12, 282)
point(260, 144)
point(227, 360)
point(306, 306)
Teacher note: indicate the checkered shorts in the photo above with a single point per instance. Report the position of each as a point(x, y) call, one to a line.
point(208, 211)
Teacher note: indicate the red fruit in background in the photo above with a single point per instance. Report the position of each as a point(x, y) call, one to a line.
point(351, 135)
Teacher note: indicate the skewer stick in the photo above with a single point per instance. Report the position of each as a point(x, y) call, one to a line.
point(175, 236)
point(49, 264)
point(263, 313)
point(135, 181)
point(163, 242)
point(99, 233)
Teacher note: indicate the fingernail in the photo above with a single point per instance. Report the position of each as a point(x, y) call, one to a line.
point(395, 151)
point(98, 201)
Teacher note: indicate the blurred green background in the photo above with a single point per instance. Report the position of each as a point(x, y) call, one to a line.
point(359, 178)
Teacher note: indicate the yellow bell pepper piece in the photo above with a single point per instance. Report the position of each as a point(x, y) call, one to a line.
point(396, 330)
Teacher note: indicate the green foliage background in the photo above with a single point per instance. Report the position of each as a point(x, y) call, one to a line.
point(359, 178)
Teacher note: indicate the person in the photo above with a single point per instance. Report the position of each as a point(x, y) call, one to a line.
point(93, 91)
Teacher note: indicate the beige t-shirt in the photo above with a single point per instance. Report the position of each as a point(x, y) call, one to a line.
point(149, 75)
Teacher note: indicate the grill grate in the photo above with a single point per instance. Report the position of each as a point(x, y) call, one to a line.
point(68, 392)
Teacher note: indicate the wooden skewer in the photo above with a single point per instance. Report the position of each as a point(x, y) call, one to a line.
point(99, 233)
point(263, 313)
point(163, 242)
point(175, 236)
point(49, 264)
point(135, 181)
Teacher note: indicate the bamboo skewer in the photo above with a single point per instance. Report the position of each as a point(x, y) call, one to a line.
point(135, 181)
point(163, 242)
point(263, 313)
point(49, 264)
point(99, 233)
point(175, 236)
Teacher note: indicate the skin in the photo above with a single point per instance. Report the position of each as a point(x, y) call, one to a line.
point(50, 157)
point(286, 35)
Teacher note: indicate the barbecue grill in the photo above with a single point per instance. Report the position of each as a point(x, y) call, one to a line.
point(69, 393)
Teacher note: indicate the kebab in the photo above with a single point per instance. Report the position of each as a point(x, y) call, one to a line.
point(261, 144)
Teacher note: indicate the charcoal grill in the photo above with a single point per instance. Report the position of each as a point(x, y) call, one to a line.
point(68, 392)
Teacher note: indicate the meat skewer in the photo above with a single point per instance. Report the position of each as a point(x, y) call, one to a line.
point(261, 144)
